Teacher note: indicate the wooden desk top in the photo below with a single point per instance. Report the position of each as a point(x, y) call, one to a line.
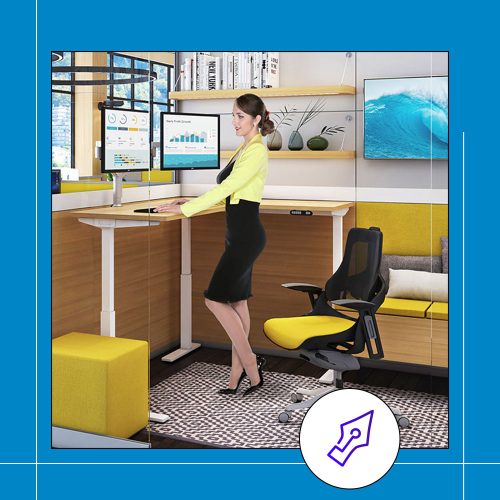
point(127, 210)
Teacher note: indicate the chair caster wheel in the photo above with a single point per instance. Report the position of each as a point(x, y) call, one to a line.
point(403, 422)
point(295, 397)
point(284, 417)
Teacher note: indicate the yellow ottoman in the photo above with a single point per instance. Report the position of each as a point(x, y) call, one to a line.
point(100, 384)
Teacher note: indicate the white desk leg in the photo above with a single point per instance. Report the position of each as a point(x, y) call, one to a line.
point(338, 250)
point(107, 227)
point(108, 281)
point(187, 345)
point(337, 237)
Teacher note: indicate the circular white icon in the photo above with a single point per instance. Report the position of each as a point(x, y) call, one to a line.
point(349, 438)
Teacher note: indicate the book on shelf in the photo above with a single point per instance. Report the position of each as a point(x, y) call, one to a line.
point(273, 70)
point(188, 79)
point(225, 70)
point(257, 70)
point(180, 81)
point(230, 71)
point(236, 72)
point(214, 73)
point(218, 73)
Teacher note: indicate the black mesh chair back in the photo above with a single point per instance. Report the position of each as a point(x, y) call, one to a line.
point(357, 278)
point(358, 275)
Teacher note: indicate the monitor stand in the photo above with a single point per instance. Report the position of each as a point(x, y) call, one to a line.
point(117, 189)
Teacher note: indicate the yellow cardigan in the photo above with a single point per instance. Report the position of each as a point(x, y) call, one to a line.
point(246, 181)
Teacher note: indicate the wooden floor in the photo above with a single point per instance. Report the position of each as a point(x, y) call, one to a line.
point(161, 370)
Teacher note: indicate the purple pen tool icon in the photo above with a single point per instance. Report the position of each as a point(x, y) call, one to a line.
point(354, 434)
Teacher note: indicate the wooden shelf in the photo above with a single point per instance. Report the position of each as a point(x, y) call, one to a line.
point(268, 92)
point(339, 155)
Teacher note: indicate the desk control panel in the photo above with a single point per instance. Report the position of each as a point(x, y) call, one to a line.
point(301, 212)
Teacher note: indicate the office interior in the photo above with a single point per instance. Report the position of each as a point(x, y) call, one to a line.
point(140, 278)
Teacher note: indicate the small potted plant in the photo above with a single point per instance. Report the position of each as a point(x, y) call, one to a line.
point(320, 143)
point(274, 140)
point(295, 143)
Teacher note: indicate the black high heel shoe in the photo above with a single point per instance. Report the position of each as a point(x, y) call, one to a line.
point(233, 391)
point(261, 361)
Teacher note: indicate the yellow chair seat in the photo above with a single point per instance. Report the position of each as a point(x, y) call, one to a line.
point(100, 384)
point(404, 307)
point(290, 333)
point(438, 310)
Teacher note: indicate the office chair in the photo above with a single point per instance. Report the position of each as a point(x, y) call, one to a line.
point(325, 336)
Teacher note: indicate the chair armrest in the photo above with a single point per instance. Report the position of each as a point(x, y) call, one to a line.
point(358, 305)
point(303, 287)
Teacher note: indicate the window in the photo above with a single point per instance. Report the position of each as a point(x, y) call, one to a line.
point(63, 117)
point(150, 96)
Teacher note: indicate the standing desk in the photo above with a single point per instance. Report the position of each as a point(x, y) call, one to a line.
point(110, 218)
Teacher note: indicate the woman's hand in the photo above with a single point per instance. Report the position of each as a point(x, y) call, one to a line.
point(180, 201)
point(169, 207)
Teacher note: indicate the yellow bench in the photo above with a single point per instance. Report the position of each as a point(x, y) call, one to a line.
point(77, 187)
point(100, 384)
point(414, 308)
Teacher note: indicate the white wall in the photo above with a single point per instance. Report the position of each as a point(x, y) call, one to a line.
point(326, 68)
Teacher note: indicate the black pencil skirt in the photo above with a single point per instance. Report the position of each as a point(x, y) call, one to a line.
point(245, 240)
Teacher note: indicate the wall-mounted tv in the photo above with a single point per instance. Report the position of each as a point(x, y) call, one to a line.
point(189, 141)
point(406, 118)
point(125, 140)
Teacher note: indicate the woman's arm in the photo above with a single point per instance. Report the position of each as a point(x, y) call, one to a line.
point(248, 165)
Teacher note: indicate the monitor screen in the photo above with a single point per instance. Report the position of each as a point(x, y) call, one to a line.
point(189, 141)
point(125, 141)
point(406, 118)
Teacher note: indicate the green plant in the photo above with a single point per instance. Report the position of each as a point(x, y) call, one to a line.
point(309, 114)
point(331, 130)
point(283, 117)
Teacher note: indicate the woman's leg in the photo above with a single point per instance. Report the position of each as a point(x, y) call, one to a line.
point(241, 308)
point(233, 326)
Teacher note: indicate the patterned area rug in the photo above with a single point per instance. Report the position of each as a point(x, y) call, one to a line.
point(198, 414)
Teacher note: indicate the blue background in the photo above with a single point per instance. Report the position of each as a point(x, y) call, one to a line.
point(306, 27)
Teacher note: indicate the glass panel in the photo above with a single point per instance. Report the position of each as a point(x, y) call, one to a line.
point(74, 284)
point(401, 141)
point(141, 90)
point(141, 105)
point(160, 85)
point(61, 130)
point(157, 109)
point(121, 90)
point(65, 61)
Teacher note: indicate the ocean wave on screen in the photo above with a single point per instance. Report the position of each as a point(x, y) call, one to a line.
point(406, 125)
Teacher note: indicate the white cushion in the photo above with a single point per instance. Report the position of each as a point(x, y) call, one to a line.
point(419, 285)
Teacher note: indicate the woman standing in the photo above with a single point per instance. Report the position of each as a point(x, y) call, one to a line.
point(241, 185)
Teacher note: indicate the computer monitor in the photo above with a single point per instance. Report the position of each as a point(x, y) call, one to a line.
point(125, 140)
point(56, 181)
point(189, 141)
